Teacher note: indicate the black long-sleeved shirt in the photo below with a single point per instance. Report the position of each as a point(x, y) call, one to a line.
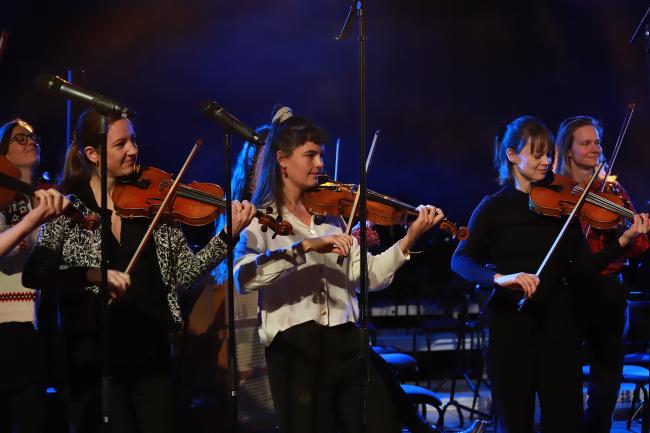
point(504, 232)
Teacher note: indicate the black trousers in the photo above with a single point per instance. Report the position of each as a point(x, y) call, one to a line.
point(604, 322)
point(140, 399)
point(22, 389)
point(141, 405)
point(535, 353)
point(316, 375)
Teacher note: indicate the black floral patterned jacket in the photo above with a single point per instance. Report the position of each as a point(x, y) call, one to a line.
point(65, 251)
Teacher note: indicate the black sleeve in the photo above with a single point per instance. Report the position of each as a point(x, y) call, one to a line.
point(42, 272)
point(43, 269)
point(469, 259)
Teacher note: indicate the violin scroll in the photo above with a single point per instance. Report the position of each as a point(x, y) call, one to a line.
point(279, 226)
point(460, 233)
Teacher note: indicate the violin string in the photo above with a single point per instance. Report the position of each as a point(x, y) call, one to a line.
point(391, 201)
point(610, 205)
point(196, 194)
point(614, 207)
point(605, 203)
point(595, 199)
point(202, 197)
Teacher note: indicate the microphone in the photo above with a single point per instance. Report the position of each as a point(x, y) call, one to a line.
point(106, 106)
point(230, 123)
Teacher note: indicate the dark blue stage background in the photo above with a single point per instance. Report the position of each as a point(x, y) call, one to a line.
point(442, 76)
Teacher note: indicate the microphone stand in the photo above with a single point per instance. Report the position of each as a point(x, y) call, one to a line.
point(103, 287)
point(363, 244)
point(233, 376)
point(644, 27)
point(230, 124)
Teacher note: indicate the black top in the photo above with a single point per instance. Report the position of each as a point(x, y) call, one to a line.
point(505, 233)
point(139, 322)
point(147, 292)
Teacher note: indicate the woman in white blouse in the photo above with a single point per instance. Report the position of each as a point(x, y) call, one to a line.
point(307, 303)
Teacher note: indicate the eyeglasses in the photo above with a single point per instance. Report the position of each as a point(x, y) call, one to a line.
point(22, 138)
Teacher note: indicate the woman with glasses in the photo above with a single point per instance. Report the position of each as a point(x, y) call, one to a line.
point(145, 306)
point(307, 302)
point(21, 386)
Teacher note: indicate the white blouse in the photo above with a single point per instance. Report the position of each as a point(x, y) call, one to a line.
point(296, 287)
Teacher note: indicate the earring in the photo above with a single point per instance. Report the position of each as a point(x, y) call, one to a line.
point(284, 172)
point(97, 163)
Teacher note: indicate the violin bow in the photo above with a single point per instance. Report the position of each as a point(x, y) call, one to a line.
point(163, 207)
point(336, 159)
point(348, 227)
point(617, 147)
point(621, 135)
point(568, 221)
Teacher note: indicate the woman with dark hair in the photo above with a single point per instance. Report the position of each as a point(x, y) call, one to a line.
point(145, 303)
point(533, 352)
point(307, 303)
point(603, 310)
point(22, 388)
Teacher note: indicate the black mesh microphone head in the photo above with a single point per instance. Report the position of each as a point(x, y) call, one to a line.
point(209, 107)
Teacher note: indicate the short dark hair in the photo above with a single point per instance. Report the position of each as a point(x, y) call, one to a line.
point(285, 136)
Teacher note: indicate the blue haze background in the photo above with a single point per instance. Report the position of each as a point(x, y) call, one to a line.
point(442, 78)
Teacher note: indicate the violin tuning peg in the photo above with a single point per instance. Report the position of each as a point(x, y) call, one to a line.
point(274, 235)
point(264, 228)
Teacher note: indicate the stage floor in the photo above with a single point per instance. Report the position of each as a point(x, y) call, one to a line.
point(464, 397)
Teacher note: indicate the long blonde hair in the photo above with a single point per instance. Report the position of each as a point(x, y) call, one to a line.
point(564, 140)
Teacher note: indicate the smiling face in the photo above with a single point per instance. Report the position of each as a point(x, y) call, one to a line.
point(586, 151)
point(23, 149)
point(302, 167)
point(121, 148)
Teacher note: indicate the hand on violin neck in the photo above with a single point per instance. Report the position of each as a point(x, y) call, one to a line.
point(340, 244)
point(639, 226)
point(520, 281)
point(49, 203)
point(242, 215)
point(428, 217)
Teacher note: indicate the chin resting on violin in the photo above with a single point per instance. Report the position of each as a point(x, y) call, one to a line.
point(533, 352)
point(146, 306)
point(308, 303)
point(603, 297)
point(22, 211)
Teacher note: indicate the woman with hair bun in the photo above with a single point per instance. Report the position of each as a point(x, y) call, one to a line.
point(307, 303)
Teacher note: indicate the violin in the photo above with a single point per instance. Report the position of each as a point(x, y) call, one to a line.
point(11, 185)
point(195, 204)
point(334, 198)
point(603, 209)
